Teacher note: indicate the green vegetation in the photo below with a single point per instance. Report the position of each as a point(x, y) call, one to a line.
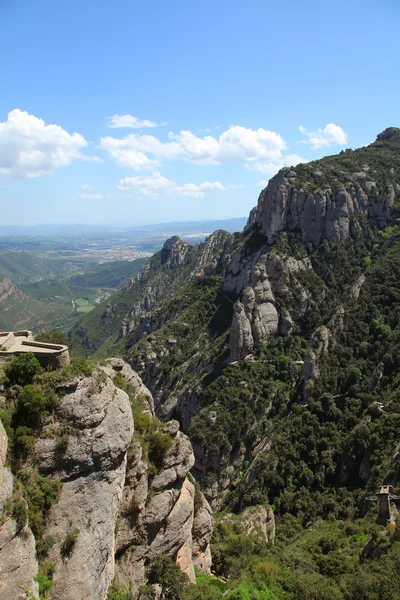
point(53, 336)
point(21, 370)
point(45, 578)
point(115, 592)
point(47, 293)
point(166, 573)
point(328, 560)
point(69, 543)
point(108, 275)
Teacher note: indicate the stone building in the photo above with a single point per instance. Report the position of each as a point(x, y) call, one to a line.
point(13, 343)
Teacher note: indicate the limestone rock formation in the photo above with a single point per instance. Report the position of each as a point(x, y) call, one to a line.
point(255, 520)
point(320, 341)
point(317, 348)
point(92, 469)
point(18, 561)
point(209, 259)
point(116, 510)
point(287, 205)
point(271, 299)
point(202, 531)
point(175, 252)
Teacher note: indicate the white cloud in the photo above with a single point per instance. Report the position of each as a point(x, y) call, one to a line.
point(153, 185)
point(91, 196)
point(271, 168)
point(129, 122)
point(331, 135)
point(29, 148)
point(86, 186)
point(236, 144)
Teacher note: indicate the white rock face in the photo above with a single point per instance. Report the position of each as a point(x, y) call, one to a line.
point(202, 531)
point(175, 252)
point(256, 315)
point(157, 514)
point(18, 562)
point(326, 213)
point(119, 514)
point(92, 470)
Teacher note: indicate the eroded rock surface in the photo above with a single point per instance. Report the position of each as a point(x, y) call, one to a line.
point(18, 562)
point(116, 511)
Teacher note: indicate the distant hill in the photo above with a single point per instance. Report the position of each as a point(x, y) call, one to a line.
point(20, 311)
point(27, 302)
point(27, 266)
point(107, 275)
point(180, 227)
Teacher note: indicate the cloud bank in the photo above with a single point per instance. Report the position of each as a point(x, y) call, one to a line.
point(29, 148)
point(329, 136)
point(236, 144)
point(154, 184)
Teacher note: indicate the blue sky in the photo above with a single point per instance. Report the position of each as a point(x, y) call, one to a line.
point(134, 112)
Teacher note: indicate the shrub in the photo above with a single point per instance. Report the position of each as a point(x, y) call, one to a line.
point(40, 493)
point(69, 543)
point(168, 575)
point(119, 593)
point(22, 369)
point(33, 405)
point(53, 336)
point(62, 444)
point(159, 445)
point(43, 545)
point(78, 366)
point(24, 440)
point(45, 577)
point(198, 497)
point(20, 514)
point(248, 591)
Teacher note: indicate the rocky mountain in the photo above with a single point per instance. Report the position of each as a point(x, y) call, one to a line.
point(281, 296)
point(276, 350)
point(96, 498)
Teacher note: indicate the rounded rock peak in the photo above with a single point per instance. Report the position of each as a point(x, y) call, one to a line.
point(389, 133)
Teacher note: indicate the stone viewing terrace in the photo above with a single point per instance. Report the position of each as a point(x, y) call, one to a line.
point(13, 343)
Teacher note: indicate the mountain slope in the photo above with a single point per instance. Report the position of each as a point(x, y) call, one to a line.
point(279, 357)
point(27, 266)
point(20, 311)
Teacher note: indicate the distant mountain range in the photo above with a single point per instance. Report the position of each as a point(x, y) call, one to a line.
point(179, 227)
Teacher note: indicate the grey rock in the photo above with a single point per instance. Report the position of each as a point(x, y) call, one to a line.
point(175, 252)
point(202, 531)
point(18, 562)
point(326, 213)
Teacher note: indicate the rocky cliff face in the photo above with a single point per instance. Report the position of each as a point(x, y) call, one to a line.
point(116, 511)
point(269, 299)
point(328, 212)
point(18, 561)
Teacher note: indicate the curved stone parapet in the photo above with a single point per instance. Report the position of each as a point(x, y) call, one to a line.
point(13, 343)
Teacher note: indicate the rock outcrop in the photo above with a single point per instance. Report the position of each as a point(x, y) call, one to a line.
point(158, 513)
point(257, 521)
point(18, 561)
point(175, 252)
point(314, 211)
point(116, 511)
point(271, 299)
